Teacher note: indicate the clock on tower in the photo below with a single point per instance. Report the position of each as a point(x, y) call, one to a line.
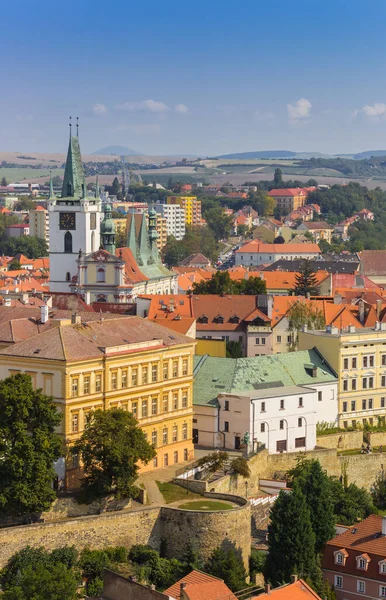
point(67, 220)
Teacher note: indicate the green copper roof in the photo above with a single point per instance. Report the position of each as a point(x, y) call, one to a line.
point(73, 182)
point(215, 376)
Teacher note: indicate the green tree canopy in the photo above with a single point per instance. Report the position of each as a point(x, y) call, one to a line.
point(351, 503)
point(278, 177)
point(221, 283)
point(315, 486)
point(111, 448)
point(29, 447)
point(306, 281)
point(4, 181)
point(291, 540)
point(227, 565)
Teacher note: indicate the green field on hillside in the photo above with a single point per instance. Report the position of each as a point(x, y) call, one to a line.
point(18, 174)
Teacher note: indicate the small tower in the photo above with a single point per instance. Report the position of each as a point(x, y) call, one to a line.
point(108, 230)
point(153, 234)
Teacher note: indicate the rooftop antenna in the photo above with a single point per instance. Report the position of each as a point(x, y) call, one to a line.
point(77, 126)
point(70, 125)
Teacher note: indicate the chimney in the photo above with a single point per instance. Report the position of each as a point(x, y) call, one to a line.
point(383, 526)
point(87, 298)
point(76, 319)
point(294, 578)
point(182, 590)
point(378, 309)
point(269, 307)
point(44, 313)
point(267, 588)
point(361, 311)
point(337, 299)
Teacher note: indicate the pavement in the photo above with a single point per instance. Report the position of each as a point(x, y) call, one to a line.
point(154, 496)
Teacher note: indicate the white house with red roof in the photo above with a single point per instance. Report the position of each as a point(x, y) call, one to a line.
point(255, 253)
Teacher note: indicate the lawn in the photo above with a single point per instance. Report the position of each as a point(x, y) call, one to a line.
point(20, 173)
point(173, 492)
point(205, 504)
point(375, 450)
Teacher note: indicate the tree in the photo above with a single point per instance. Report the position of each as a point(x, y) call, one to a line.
point(110, 448)
point(116, 187)
point(234, 349)
point(34, 573)
point(378, 491)
point(240, 466)
point(169, 184)
point(351, 503)
point(301, 314)
point(56, 582)
point(25, 204)
point(30, 246)
point(315, 485)
point(219, 222)
point(214, 461)
point(221, 283)
point(291, 540)
point(306, 281)
point(174, 251)
point(278, 178)
point(14, 266)
point(4, 182)
point(120, 239)
point(225, 564)
point(29, 447)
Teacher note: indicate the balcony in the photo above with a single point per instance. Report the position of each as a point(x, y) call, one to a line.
point(258, 329)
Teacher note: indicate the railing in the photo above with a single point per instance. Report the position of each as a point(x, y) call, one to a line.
point(261, 501)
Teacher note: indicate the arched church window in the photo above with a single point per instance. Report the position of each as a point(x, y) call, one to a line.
point(68, 242)
point(68, 276)
point(101, 298)
point(69, 189)
point(100, 275)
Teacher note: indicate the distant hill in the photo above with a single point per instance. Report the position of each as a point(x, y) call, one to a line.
point(272, 154)
point(117, 150)
point(369, 154)
point(260, 154)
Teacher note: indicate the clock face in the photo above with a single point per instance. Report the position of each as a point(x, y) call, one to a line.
point(67, 220)
point(92, 221)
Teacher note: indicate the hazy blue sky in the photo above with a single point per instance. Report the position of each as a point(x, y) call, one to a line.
point(200, 77)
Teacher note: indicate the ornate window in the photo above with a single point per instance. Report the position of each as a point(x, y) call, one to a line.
point(68, 243)
point(101, 275)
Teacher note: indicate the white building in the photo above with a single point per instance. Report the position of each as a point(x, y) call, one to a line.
point(175, 219)
point(74, 222)
point(272, 400)
point(255, 253)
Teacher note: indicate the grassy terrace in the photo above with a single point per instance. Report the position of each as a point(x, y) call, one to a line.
point(173, 492)
point(206, 504)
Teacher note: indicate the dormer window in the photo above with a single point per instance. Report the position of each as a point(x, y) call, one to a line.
point(363, 562)
point(382, 566)
point(203, 319)
point(219, 319)
point(340, 557)
point(235, 319)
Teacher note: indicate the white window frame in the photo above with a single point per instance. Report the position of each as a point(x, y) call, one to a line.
point(360, 583)
point(382, 591)
point(336, 579)
point(339, 558)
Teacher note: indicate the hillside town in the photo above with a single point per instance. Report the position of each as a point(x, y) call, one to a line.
point(227, 391)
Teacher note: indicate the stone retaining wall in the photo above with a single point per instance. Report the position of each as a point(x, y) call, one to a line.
point(206, 530)
point(344, 440)
point(376, 438)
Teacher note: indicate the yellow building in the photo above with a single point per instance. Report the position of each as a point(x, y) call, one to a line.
point(123, 362)
point(359, 358)
point(192, 208)
point(120, 225)
point(161, 229)
point(39, 223)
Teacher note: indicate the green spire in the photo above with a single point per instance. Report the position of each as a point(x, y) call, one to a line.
point(74, 184)
point(143, 243)
point(52, 195)
point(131, 237)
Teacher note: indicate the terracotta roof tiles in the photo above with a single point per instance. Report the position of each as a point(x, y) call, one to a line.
point(201, 586)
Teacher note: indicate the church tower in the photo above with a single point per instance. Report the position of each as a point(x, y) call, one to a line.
point(74, 221)
point(108, 231)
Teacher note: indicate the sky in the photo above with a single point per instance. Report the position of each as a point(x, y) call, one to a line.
point(203, 77)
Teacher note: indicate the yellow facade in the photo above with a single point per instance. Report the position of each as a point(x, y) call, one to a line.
point(359, 358)
point(192, 208)
point(162, 232)
point(39, 224)
point(120, 225)
point(153, 383)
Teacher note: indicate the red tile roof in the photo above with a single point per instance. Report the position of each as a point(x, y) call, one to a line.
point(256, 246)
point(373, 262)
point(292, 591)
point(201, 586)
point(286, 192)
point(365, 537)
point(133, 274)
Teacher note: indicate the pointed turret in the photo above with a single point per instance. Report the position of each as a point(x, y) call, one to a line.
point(74, 183)
point(52, 194)
point(131, 241)
point(143, 243)
point(97, 188)
point(153, 234)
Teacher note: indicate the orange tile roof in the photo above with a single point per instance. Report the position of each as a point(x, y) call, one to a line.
point(287, 192)
point(161, 303)
point(133, 274)
point(228, 306)
point(256, 246)
point(292, 591)
point(197, 589)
